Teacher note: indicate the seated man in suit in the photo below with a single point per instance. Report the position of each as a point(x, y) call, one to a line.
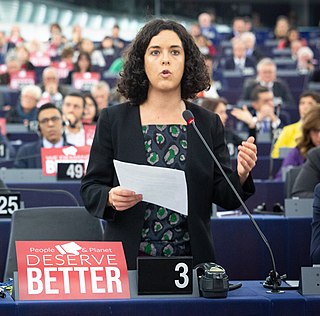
point(315, 237)
point(267, 77)
point(51, 135)
point(262, 115)
point(239, 61)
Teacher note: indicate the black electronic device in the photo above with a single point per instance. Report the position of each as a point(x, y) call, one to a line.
point(274, 278)
point(213, 281)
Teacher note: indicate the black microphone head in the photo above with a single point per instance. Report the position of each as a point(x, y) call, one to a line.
point(188, 116)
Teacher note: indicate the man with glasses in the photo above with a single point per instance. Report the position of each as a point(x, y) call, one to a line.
point(51, 135)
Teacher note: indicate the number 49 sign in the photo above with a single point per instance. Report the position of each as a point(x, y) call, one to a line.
point(70, 171)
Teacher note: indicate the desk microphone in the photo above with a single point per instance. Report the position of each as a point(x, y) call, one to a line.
point(273, 279)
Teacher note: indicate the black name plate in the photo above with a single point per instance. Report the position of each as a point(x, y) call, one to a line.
point(9, 202)
point(70, 171)
point(162, 275)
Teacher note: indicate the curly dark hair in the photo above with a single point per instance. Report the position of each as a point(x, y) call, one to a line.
point(134, 83)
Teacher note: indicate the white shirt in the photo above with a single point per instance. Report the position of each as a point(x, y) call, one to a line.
point(47, 144)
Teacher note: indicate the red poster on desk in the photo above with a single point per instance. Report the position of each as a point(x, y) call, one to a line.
point(84, 81)
point(50, 157)
point(64, 270)
point(22, 78)
point(89, 131)
point(3, 126)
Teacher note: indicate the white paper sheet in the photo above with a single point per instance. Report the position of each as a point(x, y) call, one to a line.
point(161, 186)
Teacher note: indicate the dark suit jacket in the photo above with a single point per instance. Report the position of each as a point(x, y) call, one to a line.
point(29, 155)
point(119, 136)
point(309, 176)
point(315, 237)
point(280, 89)
point(230, 65)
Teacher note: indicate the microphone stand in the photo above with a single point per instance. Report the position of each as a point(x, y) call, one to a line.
point(274, 136)
point(274, 278)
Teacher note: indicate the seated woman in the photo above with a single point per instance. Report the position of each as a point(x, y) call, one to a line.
point(219, 106)
point(91, 114)
point(310, 138)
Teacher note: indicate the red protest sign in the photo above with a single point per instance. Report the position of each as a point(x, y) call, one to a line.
point(22, 78)
point(84, 81)
point(89, 131)
point(64, 270)
point(50, 157)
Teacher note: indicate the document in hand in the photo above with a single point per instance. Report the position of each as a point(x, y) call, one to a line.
point(161, 186)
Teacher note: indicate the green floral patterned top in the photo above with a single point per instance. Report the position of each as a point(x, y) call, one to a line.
point(165, 232)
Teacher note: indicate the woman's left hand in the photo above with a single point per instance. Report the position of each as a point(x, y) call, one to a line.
point(247, 157)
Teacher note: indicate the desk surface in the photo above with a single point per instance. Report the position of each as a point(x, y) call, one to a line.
point(239, 249)
point(251, 299)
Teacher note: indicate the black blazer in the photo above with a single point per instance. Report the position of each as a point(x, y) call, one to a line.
point(230, 64)
point(119, 136)
point(280, 89)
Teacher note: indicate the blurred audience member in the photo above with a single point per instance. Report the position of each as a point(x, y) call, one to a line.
point(310, 138)
point(87, 46)
point(212, 92)
point(13, 65)
point(249, 40)
point(292, 35)
point(3, 47)
point(23, 56)
point(52, 91)
point(305, 60)
point(118, 42)
point(219, 106)
point(73, 108)
point(267, 77)
point(15, 38)
point(263, 114)
point(50, 127)
point(26, 110)
point(91, 113)
point(100, 91)
point(294, 48)
point(238, 26)
point(76, 37)
point(207, 26)
point(56, 46)
point(83, 65)
point(281, 28)
point(205, 46)
point(239, 60)
point(290, 133)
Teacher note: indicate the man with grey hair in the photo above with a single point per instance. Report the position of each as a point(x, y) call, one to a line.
point(267, 77)
point(249, 40)
point(26, 110)
point(100, 91)
point(13, 65)
point(52, 91)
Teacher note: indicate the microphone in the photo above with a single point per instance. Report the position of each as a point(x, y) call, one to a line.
point(275, 132)
point(273, 279)
point(56, 191)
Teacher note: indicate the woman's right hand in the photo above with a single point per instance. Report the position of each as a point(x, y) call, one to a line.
point(121, 199)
